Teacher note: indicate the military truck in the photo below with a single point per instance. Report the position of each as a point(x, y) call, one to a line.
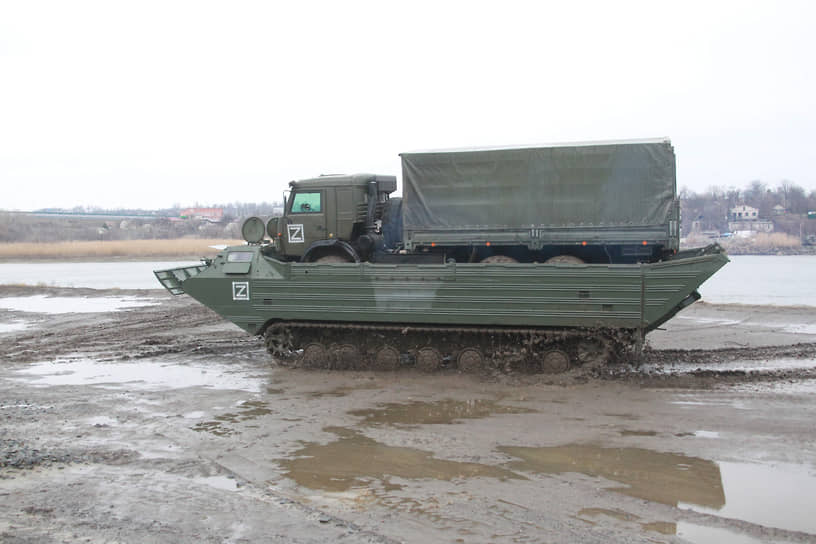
point(602, 202)
point(349, 277)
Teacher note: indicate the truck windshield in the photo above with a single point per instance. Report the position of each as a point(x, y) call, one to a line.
point(306, 203)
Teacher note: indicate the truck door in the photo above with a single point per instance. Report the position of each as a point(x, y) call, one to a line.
point(306, 221)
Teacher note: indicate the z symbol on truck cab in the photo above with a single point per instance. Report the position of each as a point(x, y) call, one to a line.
point(295, 233)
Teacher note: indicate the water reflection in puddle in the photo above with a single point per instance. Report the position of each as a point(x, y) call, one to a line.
point(63, 305)
point(668, 478)
point(354, 460)
point(781, 495)
point(247, 410)
point(144, 375)
point(439, 412)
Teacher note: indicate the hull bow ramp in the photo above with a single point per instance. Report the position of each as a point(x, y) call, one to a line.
point(538, 317)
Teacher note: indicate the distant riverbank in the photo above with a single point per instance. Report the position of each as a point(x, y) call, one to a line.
point(181, 249)
point(776, 243)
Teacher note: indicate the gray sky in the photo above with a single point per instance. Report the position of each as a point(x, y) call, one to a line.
point(147, 104)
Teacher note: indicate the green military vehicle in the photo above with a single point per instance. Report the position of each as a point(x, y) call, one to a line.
point(550, 257)
point(611, 202)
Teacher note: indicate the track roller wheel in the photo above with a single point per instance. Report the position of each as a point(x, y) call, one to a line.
point(555, 361)
point(470, 360)
point(315, 355)
point(387, 358)
point(278, 340)
point(346, 356)
point(428, 359)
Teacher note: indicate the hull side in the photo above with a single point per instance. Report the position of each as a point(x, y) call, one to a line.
point(522, 295)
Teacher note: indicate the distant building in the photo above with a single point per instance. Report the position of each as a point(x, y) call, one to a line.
point(213, 215)
point(779, 209)
point(746, 219)
point(744, 213)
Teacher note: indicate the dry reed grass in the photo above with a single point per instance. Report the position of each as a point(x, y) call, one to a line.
point(765, 242)
point(135, 249)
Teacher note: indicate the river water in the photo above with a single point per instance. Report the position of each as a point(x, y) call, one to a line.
point(788, 280)
point(748, 279)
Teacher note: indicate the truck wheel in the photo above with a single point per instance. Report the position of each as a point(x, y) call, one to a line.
point(333, 259)
point(564, 259)
point(496, 259)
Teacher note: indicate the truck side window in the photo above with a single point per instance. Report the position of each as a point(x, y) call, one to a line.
point(306, 203)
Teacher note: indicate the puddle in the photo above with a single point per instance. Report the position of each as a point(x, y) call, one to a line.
point(779, 495)
point(668, 478)
point(439, 412)
point(662, 527)
point(341, 391)
point(249, 410)
point(142, 375)
point(706, 434)
point(14, 326)
point(617, 514)
point(42, 304)
point(354, 460)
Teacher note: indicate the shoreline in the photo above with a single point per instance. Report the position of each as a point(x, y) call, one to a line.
point(113, 250)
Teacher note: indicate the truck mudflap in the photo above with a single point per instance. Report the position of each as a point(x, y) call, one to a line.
point(173, 278)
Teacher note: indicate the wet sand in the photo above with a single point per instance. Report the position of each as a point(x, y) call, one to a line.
point(160, 422)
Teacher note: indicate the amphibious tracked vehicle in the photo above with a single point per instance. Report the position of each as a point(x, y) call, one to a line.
point(550, 257)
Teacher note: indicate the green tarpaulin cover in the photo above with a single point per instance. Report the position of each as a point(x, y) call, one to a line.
point(604, 184)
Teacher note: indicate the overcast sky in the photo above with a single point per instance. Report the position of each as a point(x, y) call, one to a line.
point(148, 104)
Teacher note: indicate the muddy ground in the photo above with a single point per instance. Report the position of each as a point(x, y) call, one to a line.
point(162, 423)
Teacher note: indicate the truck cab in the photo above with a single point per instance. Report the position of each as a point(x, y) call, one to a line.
point(334, 218)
